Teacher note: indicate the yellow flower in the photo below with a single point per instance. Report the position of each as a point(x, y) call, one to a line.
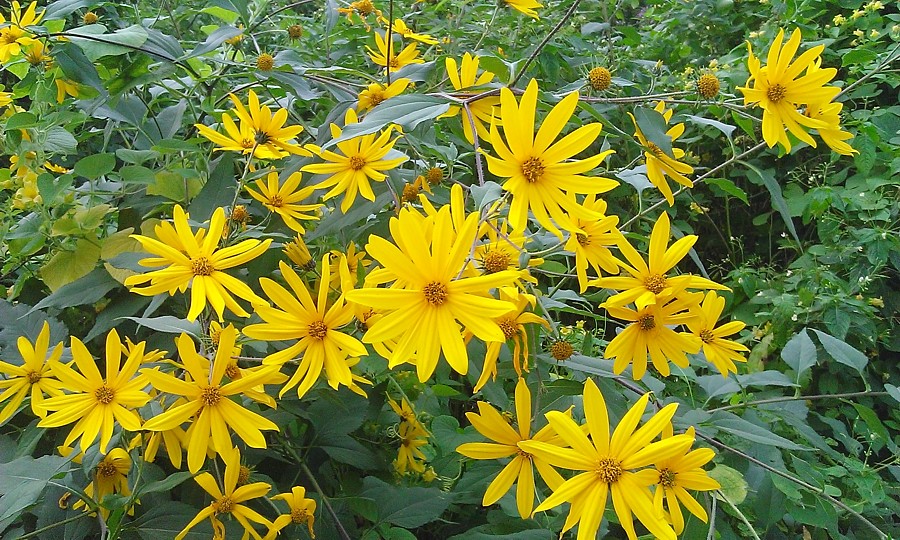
point(265, 62)
point(608, 465)
point(676, 475)
point(707, 86)
point(386, 55)
point(110, 476)
point(502, 250)
point(428, 300)
point(286, 200)
point(376, 93)
point(302, 511)
point(466, 78)
point(362, 8)
point(229, 499)
point(525, 6)
point(208, 402)
point(832, 134)
point(315, 323)
point(361, 159)
point(13, 37)
point(780, 89)
point(599, 78)
point(540, 173)
point(192, 260)
point(591, 240)
point(399, 27)
point(65, 87)
point(52, 167)
point(650, 282)
point(409, 457)
point(507, 442)
point(651, 333)
point(259, 129)
point(298, 253)
point(5, 98)
point(660, 164)
point(406, 413)
point(720, 352)
point(35, 377)
point(95, 403)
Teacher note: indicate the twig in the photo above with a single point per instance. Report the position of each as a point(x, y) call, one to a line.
point(325, 501)
point(798, 398)
point(738, 512)
point(42, 530)
point(890, 58)
point(544, 42)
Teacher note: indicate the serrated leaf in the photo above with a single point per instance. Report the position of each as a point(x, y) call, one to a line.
point(799, 353)
point(407, 111)
point(865, 159)
point(842, 352)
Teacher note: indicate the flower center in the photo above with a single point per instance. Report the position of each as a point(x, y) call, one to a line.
point(656, 283)
point(583, 239)
point(654, 149)
point(376, 97)
point(410, 192)
point(667, 478)
point(210, 396)
point(509, 327)
point(106, 469)
point(299, 515)
point(523, 454)
point(561, 350)
point(104, 395)
point(434, 175)
point(33, 376)
point(201, 267)
point(495, 261)
point(707, 336)
point(224, 505)
point(776, 93)
point(356, 163)
point(435, 293)
point(239, 214)
point(276, 201)
point(708, 86)
point(533, 169)
point(599, 78)
point(317, 330)
point(243, 475)
point(261, 137)
point(247, 143)
point(646, 322)
point(233, 372)
point(609, 470)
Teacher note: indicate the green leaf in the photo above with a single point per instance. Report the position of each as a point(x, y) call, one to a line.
point(865, 159)
point(86, 290)
point(858, 56)
point(96, 43)
point(486, 194)
point(22, 481)
point(407, 111)
point(406, 507)
point(21, 120)
point(59, 141)
point(51, 188)
point(213, 41)
point(842, 352)
point(734, 487)
point(167, 520)
point(95, 166)
point(730, 423)
point(766, 177)
point(653, 125)
point(169, 325)
point(726, 129)
point(728, 187)
point(62, 8)
point(75, 64)
point(893, 391)
point(166, 484)
point(799, 353)
point(68, 266)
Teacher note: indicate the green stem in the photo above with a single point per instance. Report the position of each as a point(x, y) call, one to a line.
point(42, 530)
point(740, 514)
point(798, 398)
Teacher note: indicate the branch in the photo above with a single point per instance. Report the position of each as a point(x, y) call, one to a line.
point(544, 42)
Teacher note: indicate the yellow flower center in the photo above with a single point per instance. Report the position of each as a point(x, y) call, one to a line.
point(776, 92)
point(495, 261)
point(90, 18)
point(317, 330)
point(299, 515)
point(33, 376)
point(708, 86)
point(609, 470)
point(533, 169)
point(265, 62)
point(561, 350)
point(233, 372)
point(600, 78)
point(656, 283)
point(523, 454)
point(376, 97)
point(11, 34)
point(104, 395)
point(654, 149)
point(583, 239)
point(410, 192)
point(667, 478)
point(364, 7)
point(435, 293)
point(224, 505)
point(646, 322)
point(707, 336)
point(201, 267)
point(210, 396)
point(247, 143)
point(243, 475)
point(239, 214)
point(295, 31)
point(356, 163)
point(434, 175)
point(509, 327)
point(106, 469)
point(276, 201)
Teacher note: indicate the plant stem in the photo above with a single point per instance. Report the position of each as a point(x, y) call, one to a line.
point(740, 514)
point(36, 532)
point(796, 398)
point(544, 42)
point(325, 501)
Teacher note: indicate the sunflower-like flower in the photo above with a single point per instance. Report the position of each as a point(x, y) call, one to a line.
point(466, 80)
point(678, 474)
point(650, 281)
point(208, 403)
point(260, 132)
point(650, 333)
point(301, 511)
point(315, 324)
point(387, 57)
point(540, 175)
point(35, 377)
point(399, 27)
point(286, 200)
point(508, 442)
point(609, 465)
point(428, 301)
point(229, 499)
point(361, 159)
point(110, 476)
point(362, 9)
point(832, 134)
point(376, 93)
point(193, 260)
point(660, 164)
point(720, 352)
point(97, 404)
point(14, 37)
point(525, 6)
point(591, 241)
point(780, 89)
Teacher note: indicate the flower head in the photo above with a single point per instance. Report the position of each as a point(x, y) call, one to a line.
point(301, 511)
point(35, 377)
point(659, 163)
point(287, 199)
point(376, 93)
point(14, 37)
point(599, 78)
point(678, 474)
point(193, 260)
point(466, 80)
point(110, 476)
point(387, 57)
point(399, 27)
point(525, 6)
point(591, 241)
point(720, 352)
